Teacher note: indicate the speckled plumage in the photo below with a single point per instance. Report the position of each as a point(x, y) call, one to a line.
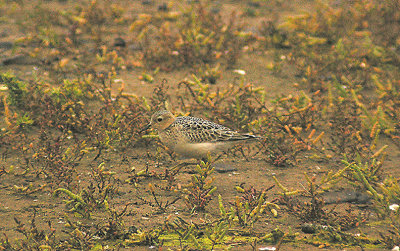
point(194, 137)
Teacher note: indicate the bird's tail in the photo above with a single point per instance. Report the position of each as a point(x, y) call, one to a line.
point(251, 136)
point(245, 137)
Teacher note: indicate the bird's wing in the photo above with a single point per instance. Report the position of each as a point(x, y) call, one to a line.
point(198, 130)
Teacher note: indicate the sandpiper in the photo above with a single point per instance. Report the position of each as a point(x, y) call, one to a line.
point(195, 137)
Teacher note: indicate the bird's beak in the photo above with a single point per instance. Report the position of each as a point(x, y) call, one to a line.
point(145, 128)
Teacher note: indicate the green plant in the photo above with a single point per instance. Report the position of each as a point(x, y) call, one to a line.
point(210, 74)
point(24, 121)
point(330, 236)
point(185, 232)
point(17, 90)
point(54, 159)
point(35, 238)
point(248, 208)
point(314, 208)
point(92, 197)
point(199, 191)
point(149, 237)
point(201, 37)
point(277, 236)
point(366, 175)
point(392, 238)
point(217, 233)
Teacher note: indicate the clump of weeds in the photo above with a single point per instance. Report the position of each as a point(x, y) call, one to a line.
point(291, 128)
point(391, 238)
point(195, 36)
point(345, 134)
point(240, 105)
point(67, 41)
point(249, 207)
point(144, 238)
point(56, 160)
point(160, 205)
point(327, 226)
point(34, 238)
point(384, 191)
point(186, 232)
point(313, 209)
point(95, 196)
point(349, 50)
point(198, 193)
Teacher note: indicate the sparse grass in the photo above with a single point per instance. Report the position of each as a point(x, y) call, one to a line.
point(71, 127)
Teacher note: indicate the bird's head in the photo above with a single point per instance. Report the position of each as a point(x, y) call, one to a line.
point(161, 120)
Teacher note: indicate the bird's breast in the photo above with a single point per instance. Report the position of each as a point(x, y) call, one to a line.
point(168, 138)
point(196, 150)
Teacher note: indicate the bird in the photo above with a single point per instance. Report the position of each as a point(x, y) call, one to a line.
point(194, 137)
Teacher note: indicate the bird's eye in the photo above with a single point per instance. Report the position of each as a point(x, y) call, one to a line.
point(159, 119)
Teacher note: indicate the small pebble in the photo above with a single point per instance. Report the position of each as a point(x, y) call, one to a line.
point(18, 60)
point(267, 248)
point(308, 228)
point(224, 168)
point(119, 42)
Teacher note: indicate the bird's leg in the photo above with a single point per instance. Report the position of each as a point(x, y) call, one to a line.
point(219, 156)
point(175, 169)
point(243, 154)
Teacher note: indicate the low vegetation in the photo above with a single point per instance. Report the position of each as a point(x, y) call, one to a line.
point(77, 172)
